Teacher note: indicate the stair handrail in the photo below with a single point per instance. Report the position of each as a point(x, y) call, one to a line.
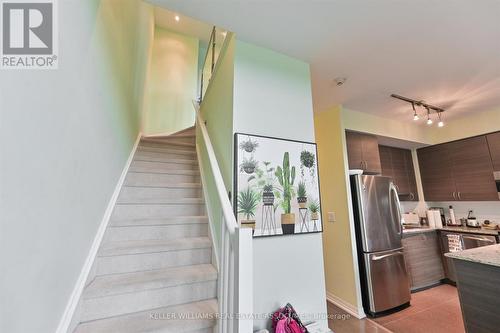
point(235, 251)
point(227, 209)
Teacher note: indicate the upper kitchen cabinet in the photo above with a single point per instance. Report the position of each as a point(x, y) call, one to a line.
point(494, 145)
point(386, 161)
point(398, 164)
point(473, 170)
point(459, 170)
point(363, 153)
point(436, 172)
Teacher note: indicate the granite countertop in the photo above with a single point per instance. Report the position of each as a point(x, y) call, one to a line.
point(481, 231)
point(488, 255)
point(470, 230)
point(411, 231)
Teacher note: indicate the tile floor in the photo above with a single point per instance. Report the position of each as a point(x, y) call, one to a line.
point(342, 322)
point(435, 310)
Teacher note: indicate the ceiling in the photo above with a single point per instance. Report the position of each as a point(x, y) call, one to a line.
point(445, 52)
point(186, 25)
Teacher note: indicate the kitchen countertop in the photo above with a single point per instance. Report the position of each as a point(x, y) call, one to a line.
point(412, 231)
point(471, 230)
point(488, 255)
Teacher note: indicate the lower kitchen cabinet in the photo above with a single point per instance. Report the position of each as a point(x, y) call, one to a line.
point(423, 259)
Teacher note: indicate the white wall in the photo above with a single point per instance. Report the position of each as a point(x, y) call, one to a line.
point(65, 136)
point(272, 96)
point(172, 84)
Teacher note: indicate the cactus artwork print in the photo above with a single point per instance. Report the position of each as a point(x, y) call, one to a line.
point(276, 185)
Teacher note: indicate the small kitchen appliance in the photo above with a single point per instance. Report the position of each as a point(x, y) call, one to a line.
point(472, 221)
point(441, 212)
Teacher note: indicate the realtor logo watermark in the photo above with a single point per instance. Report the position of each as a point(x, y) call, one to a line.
point(29, 34)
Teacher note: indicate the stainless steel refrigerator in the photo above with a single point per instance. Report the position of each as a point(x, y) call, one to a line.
point(377, 214)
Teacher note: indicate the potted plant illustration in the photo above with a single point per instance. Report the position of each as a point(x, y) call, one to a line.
point(248, 165)
point(307, 160)
point(314, 209)
point(248, 145)
point(286, 178)
point(268, 195)
point(247, 205)
point(264, 180)
point(302, 194)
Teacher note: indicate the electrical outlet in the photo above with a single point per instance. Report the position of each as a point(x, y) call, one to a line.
point(331, 217)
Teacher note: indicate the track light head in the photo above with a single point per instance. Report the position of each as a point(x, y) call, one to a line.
point(415, 115)
point(441, 122)
point(429, 120)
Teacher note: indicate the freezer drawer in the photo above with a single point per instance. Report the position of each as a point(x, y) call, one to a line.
point(387, 280)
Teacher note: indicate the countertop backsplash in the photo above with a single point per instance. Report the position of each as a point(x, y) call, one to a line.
point(482, 210)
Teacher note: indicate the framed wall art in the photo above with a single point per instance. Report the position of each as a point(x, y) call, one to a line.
point(276, 185)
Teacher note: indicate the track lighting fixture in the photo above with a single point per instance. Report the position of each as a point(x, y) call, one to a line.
point(428, 107)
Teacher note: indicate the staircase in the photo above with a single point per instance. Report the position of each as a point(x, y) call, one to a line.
point(153, 271)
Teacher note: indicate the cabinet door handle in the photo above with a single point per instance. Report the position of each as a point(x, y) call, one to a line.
point(455, 195)
point(412, 196)
point(366, 164)
point(459, 196)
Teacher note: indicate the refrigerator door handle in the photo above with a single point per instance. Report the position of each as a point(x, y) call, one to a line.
point(399, 253)
point(392, 188)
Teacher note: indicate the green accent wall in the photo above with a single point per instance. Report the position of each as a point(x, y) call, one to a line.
point(65, 137)
point(172, 84)
point(272, 97)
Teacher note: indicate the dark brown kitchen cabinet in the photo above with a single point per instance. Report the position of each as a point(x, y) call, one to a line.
point(386, 161)
point(459, 170)
point(436, 172)
point(494, 145)
point(363, 153)
point(423, 259)
point(398, 164)
point(473, 170)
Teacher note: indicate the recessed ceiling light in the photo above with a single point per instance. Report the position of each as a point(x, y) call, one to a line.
point(177, 18)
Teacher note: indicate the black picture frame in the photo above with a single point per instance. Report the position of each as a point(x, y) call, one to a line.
point(236, 155)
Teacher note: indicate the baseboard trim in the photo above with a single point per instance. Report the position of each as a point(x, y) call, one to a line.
point(71, 307)
point(348, 307)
